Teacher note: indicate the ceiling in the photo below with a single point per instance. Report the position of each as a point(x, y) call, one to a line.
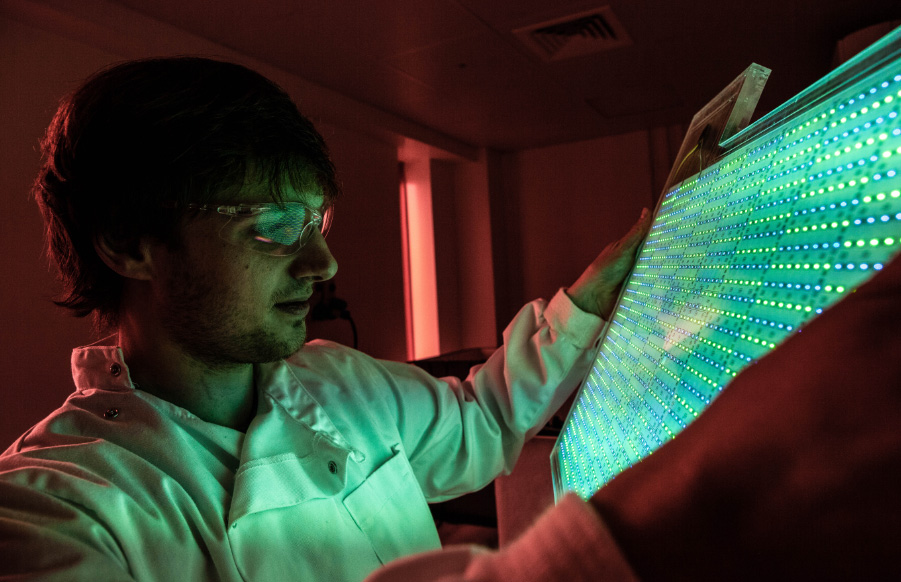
point(457, 67)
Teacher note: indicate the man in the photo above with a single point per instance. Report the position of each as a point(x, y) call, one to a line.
point(185, 200)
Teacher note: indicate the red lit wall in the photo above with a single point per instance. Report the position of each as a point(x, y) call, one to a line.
point(569, 201)
point(465, 272)
point(555, 208)
point(36, 338)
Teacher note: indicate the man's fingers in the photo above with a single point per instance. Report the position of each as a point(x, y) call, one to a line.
point(638, 231)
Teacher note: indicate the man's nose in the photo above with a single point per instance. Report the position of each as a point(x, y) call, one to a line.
point(314, 260)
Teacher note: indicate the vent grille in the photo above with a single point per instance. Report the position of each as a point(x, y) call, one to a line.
point(575, 35)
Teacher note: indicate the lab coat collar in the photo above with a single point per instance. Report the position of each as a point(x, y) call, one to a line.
point(100, 367)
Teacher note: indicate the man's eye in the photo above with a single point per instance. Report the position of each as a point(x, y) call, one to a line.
point(281, 232)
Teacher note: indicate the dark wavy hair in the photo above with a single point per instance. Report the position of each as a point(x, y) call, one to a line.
point(143, 136)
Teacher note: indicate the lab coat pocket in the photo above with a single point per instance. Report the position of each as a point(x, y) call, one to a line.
point(390, 509)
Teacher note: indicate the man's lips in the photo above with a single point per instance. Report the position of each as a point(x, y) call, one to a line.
point(297, 307)
point(302, 299)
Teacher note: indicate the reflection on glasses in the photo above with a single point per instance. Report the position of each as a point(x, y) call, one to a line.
point(271, 228)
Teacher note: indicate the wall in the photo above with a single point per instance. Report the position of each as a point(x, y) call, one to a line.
point(37, 337)
point(561, 205)
point(37, 67)
point(514, 226)
point(365, 240)
point(462, 225)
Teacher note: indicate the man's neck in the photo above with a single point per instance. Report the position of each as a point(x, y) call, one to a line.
point(222, 394)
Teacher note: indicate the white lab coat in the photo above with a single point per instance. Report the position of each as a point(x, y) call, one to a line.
point(331, 480)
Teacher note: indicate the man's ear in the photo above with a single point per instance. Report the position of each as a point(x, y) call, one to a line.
point(133, 259)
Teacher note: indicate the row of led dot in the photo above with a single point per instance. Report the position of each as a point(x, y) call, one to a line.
point(716, 212)
point(838, 169)
point(863, 180)
point(619, 418)
point(843, 223)
point(709, 325)
point(841, 185)
point(859, 145)
point(783, 304)
point(834, 206)
point(887, 241)
point(843, 135)
point(863, 111)
point(793, 145)
point(673, 395)
point(773, 284)
point(743, 336)
point(806, 266)
point(657, 420)
point(681, 401)
point(860, 162)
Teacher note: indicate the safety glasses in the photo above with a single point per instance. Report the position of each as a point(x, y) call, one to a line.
point(273, 228)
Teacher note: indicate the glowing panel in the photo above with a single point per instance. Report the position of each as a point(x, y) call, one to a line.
point(804, 209)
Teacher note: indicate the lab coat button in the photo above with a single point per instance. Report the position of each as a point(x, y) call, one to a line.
point(111, 413)
point(332, 467)
point(115, 369)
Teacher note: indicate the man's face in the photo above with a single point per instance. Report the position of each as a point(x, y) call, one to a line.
point(227, 304)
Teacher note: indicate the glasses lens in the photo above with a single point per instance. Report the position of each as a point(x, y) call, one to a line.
point(273, 230)
point(282, 226)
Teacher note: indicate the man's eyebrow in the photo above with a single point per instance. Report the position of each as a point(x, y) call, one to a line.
point(324, 202)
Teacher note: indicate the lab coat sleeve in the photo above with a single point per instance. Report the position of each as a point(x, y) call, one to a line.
point(569, 543)
point(459, 435)
point(47, 538)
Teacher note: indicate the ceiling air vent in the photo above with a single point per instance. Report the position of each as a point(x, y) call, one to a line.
point(575, 35)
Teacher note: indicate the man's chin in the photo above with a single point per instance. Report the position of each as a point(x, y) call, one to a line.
point(274, 349)
point(294, 345)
